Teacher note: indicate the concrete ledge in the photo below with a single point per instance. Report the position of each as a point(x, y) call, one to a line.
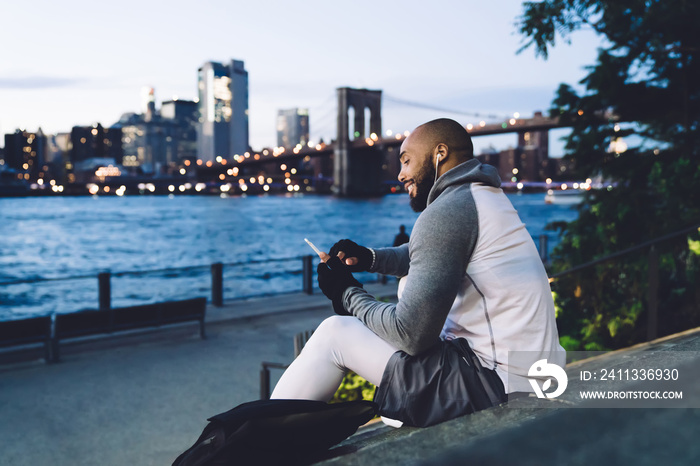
point(409, 445)
point(524, 432)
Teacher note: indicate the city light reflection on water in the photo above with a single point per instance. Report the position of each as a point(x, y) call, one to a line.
point(58, 237)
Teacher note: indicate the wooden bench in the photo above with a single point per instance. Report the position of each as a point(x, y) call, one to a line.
point(27, 331)
point(95, 322)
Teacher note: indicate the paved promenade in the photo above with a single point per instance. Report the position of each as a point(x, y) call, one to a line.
point(144, 398)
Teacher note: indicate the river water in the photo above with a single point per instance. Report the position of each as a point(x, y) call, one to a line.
point(60, 237)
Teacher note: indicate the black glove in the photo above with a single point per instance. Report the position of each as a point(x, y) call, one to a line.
point(351, 249)
point(334, 278)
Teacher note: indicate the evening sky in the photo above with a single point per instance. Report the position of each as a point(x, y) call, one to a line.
point(79, 62)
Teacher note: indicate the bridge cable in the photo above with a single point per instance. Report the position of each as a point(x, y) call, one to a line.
point(441, 109)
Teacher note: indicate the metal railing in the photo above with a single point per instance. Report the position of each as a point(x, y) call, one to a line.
point(104, 279)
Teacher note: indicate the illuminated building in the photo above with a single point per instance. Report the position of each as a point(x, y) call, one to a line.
point(89, 142)
point(184, 114)
point(158, 141)
point(91, 146)
point(223, 110)
point(148, 141)
point(25, 152)
point(148, 97)
point(529, 160)
point(97, 169)
point(58, 162)
point(292, 127)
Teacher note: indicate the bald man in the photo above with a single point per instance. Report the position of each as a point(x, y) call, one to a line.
point(473, 285)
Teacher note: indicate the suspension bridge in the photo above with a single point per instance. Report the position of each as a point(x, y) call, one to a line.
point(362, 159)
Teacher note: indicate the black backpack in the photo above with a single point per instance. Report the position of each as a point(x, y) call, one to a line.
point(268, 432)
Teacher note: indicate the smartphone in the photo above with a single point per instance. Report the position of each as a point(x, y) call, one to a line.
point(320, 254)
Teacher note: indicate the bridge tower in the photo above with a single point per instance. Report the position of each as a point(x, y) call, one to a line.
point(357, 166)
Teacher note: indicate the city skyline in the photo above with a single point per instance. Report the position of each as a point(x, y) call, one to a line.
point(87, 69)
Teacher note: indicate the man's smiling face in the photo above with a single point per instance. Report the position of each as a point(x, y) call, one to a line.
point(417, 171)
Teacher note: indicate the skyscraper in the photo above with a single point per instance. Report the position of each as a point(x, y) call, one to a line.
point(25, 152)
point(223, 110)
point(292, 127)
point(184, 114)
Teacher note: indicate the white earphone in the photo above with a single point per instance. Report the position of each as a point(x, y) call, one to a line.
point(437, 159)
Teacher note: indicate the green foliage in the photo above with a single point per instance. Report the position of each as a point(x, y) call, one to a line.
point(694, 246)
point(644, 87)
point(569, 343)
point(353, 387)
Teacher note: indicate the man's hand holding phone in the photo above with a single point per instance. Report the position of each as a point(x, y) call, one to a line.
point(357, 258)
point(334, 277)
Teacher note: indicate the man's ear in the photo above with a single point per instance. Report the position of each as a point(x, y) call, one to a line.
point(441, 152)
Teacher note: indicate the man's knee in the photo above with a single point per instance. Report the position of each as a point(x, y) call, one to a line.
point(336, 326)
point(331, 331)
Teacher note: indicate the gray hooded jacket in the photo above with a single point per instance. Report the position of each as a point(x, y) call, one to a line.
point(470, 270)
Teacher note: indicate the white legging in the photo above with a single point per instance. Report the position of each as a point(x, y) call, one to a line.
point(339, 344)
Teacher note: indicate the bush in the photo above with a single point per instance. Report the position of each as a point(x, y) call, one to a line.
point(353, 387)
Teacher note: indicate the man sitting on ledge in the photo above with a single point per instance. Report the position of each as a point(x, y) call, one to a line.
point(471, 274)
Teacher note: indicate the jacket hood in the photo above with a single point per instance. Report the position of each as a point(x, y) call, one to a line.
point(471, 171)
